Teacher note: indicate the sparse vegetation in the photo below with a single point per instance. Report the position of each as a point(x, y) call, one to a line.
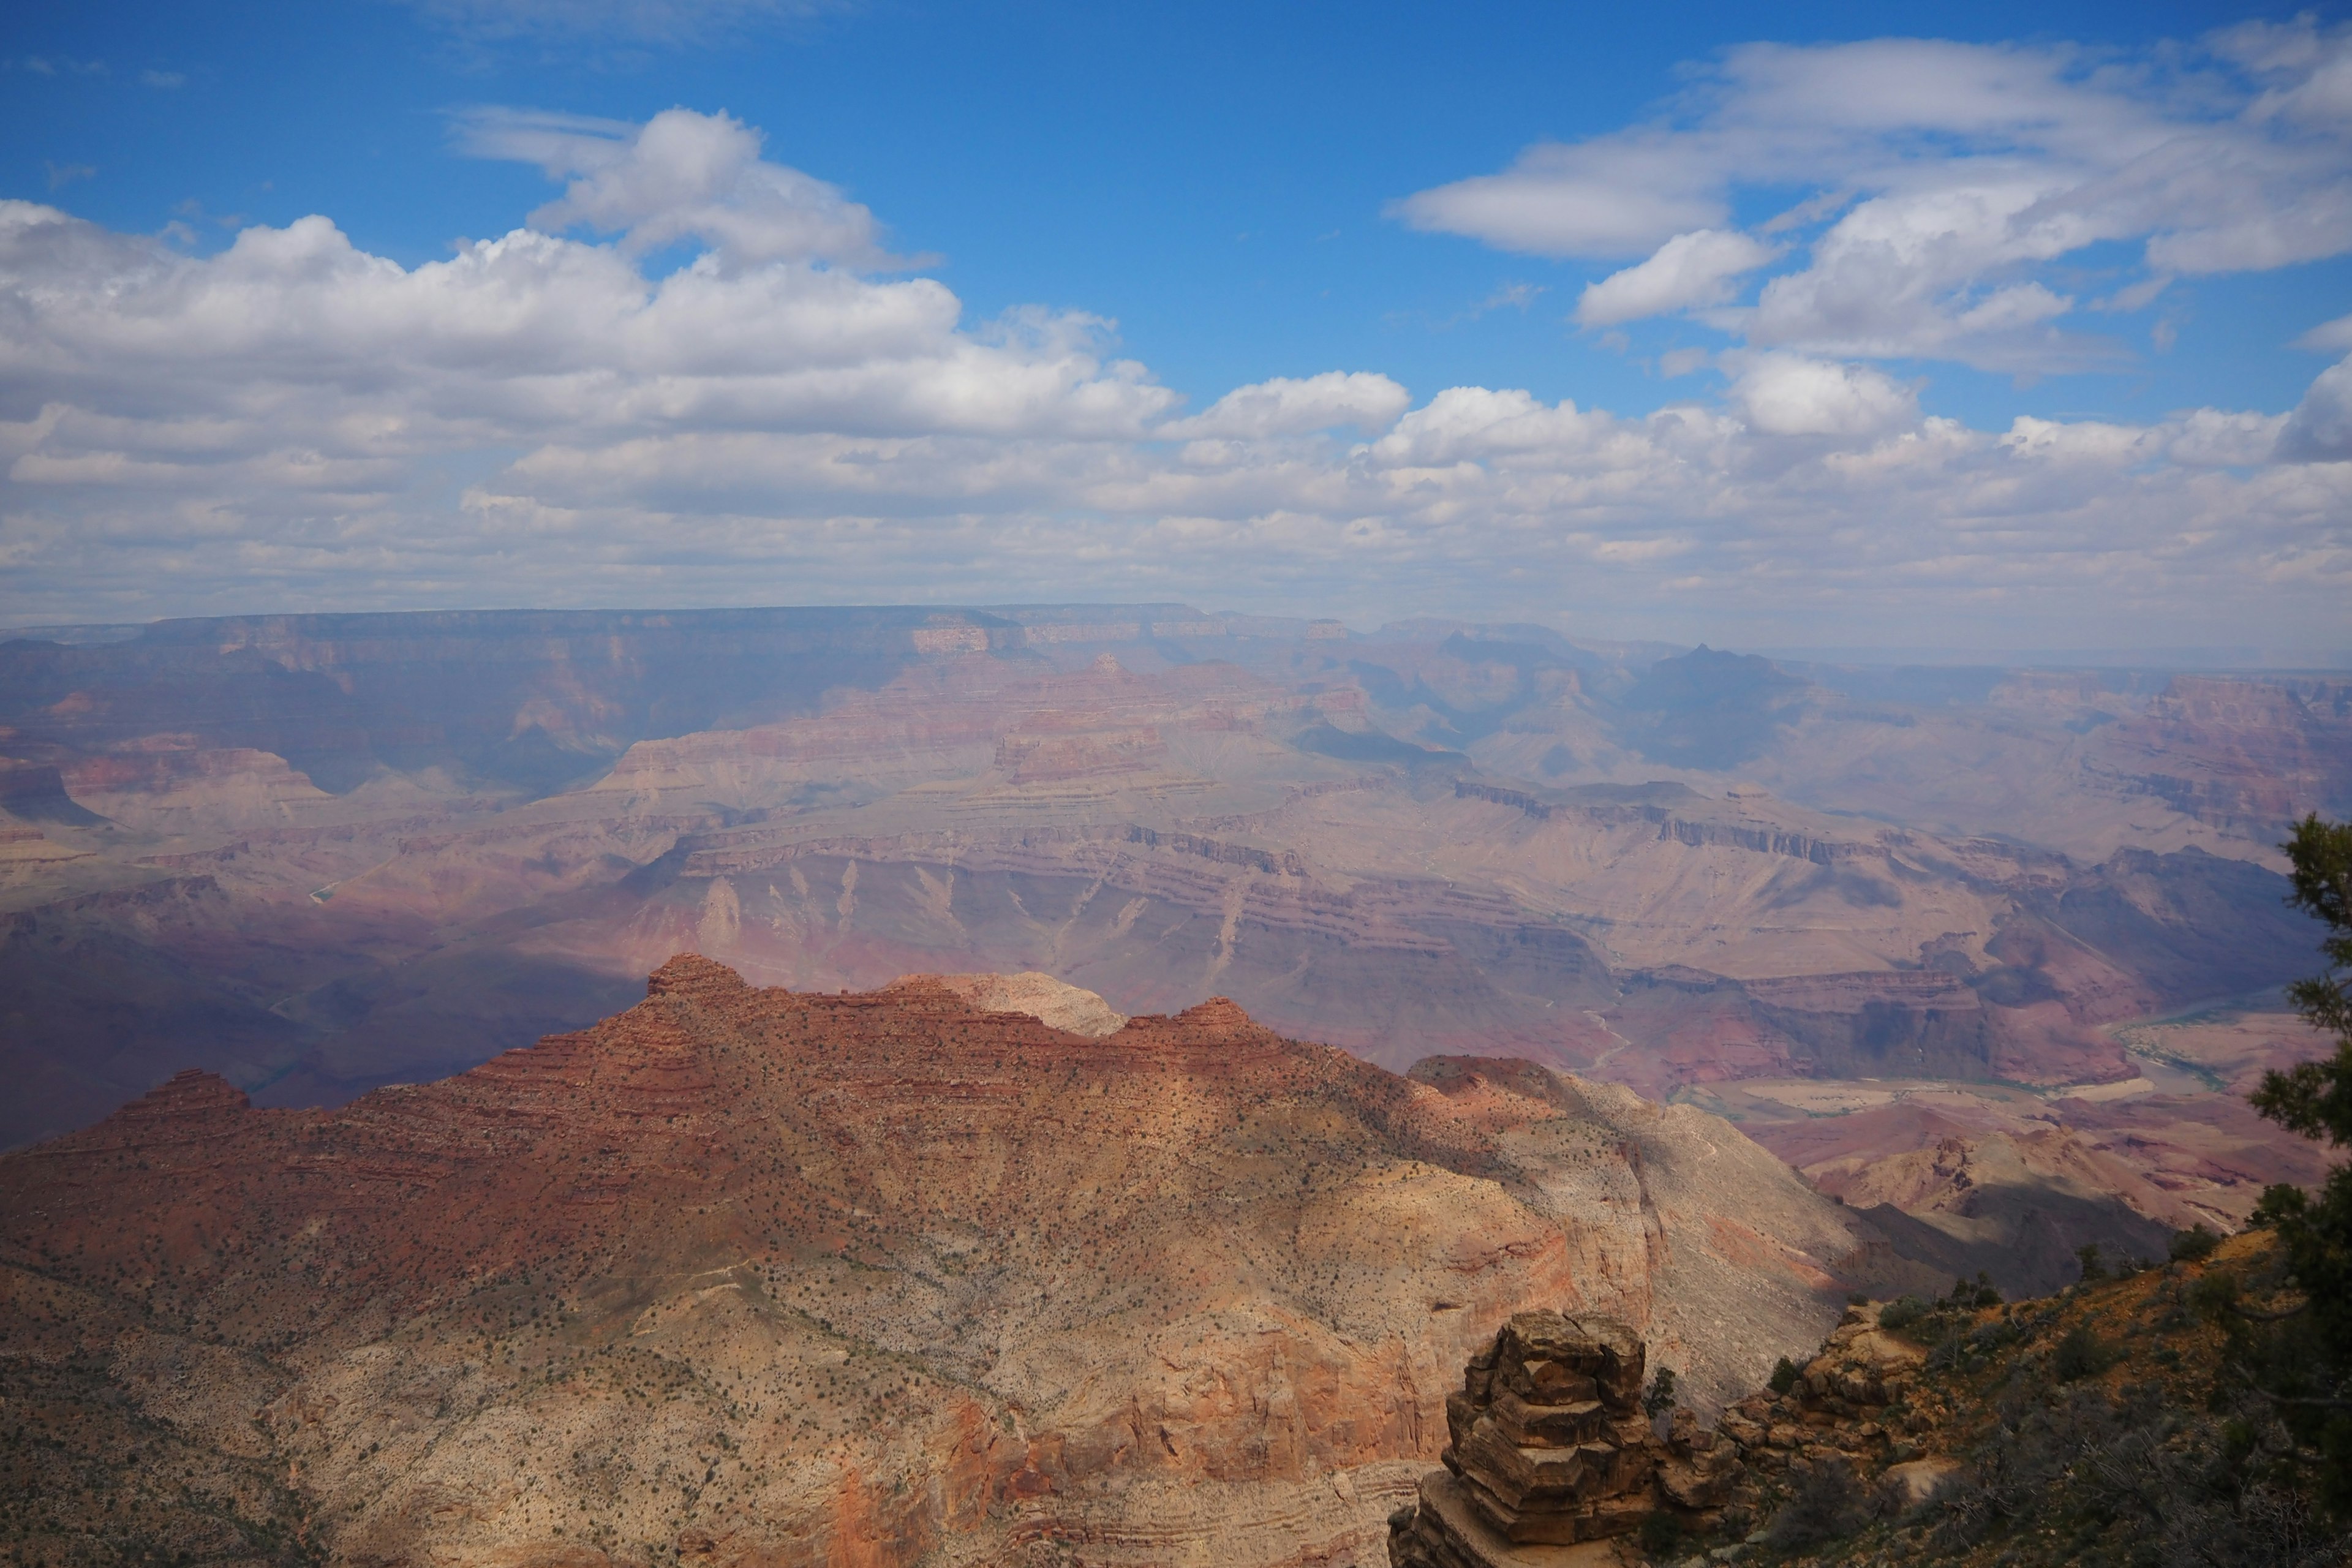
point(1826, 1504)
point(2122, 1424)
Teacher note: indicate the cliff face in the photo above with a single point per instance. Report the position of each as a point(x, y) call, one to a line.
point(757, 1276)
point(2245, 754)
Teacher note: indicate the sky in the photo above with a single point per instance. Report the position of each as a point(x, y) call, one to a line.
point(1830, 325)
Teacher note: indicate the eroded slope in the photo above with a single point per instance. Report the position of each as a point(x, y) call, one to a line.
point(755, 1275)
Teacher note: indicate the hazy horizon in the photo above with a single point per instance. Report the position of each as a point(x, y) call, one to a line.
point(2183, 660)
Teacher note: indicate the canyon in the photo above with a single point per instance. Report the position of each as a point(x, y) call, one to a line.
point(2016, 931)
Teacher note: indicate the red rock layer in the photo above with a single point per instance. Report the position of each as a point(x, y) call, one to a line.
point(755, 1275)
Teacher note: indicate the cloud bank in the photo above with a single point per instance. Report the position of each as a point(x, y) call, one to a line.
point(1930, 192)
point(696, 376)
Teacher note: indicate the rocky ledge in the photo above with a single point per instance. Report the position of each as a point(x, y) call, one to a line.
point(1856, 1403)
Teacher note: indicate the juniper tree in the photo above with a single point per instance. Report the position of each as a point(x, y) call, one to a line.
point(2314, 1097)
point(2315, 1230)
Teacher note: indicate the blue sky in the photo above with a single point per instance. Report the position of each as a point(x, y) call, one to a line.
point(1250, 193)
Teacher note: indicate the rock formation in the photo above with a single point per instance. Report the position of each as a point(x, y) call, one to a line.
point(1040, 997)
point(748, 1275)
point(1548, 1446)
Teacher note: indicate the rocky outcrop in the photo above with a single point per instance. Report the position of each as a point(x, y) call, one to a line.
point(1859, 1404)
point(1548, 1446)
point(1040, 997)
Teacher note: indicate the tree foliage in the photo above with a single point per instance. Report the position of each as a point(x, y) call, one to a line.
point(2315, 1098)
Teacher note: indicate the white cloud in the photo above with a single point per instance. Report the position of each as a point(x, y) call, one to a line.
point(679, 176)
point(1694, 268)
point(2320, 428)
point(540, 418)
point(1788, 395)
point(1959, 170)
point(1472, 424)
point(1284, 407)
point(2328, 337)
point(1618, 198)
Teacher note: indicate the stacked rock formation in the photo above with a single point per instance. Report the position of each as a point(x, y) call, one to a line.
point(1550, 1448)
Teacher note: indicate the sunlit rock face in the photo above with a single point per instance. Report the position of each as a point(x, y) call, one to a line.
point(755, 1275)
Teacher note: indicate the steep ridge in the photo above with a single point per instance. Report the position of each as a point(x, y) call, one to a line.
point(748, 1275)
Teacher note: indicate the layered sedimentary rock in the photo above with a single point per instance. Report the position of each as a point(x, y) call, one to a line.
point(1548, 1446)
point(424, 839)
point(756, 1276)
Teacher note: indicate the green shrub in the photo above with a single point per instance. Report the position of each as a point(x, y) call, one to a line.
point(2193, 1245)
point(2080, 1354)
point(1662, 1534)
point(1903, 1313)
point(2212, 1297)
point(1784, 1375)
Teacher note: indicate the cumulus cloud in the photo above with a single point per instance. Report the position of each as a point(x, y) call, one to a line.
point(554, 416)
point(1284, 407)
point(1788, 395)
point(1954, 171)
point(1694, 268)
point(679, 176)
